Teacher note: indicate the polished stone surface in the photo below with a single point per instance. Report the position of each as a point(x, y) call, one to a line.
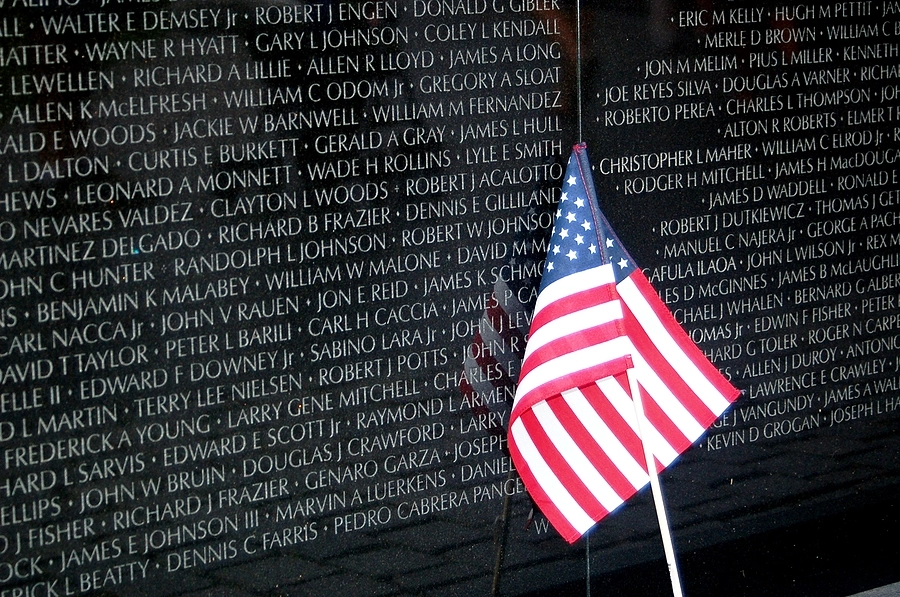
point(885, 591)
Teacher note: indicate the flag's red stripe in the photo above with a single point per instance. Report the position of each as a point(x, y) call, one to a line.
point(692, 404)
point(572, 303)
point(619, 426)
point(670, 376)
point(570, 380)
point(568, 344)
point(540, 497)
point(561, 467)
point(591, 449)
point(674, 329)
point(670, 432)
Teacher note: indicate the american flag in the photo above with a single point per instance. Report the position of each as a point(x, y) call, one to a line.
point(574, 434)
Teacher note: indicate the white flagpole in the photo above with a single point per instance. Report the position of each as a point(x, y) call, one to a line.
point(665, 530)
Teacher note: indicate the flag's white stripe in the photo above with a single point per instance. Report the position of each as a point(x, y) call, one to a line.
point(620, 401)
point(574, 322)
point(660, 448)
point(670, 349)
point(548, 481)
point(577, 282)
point(606, 438)
point(623, 403)
point(663, 396)
point(572, 362)
point(562, 441)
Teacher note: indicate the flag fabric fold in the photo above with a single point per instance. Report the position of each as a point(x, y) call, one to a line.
point(573, 434)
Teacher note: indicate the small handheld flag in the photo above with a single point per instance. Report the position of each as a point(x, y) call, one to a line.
point(574, 433)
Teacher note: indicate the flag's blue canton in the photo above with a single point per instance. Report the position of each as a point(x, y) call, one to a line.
point(581, 237)
point(622, 262)
point(573, 245)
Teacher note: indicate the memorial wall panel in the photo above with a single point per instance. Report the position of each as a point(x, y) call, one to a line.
point(268, 271)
